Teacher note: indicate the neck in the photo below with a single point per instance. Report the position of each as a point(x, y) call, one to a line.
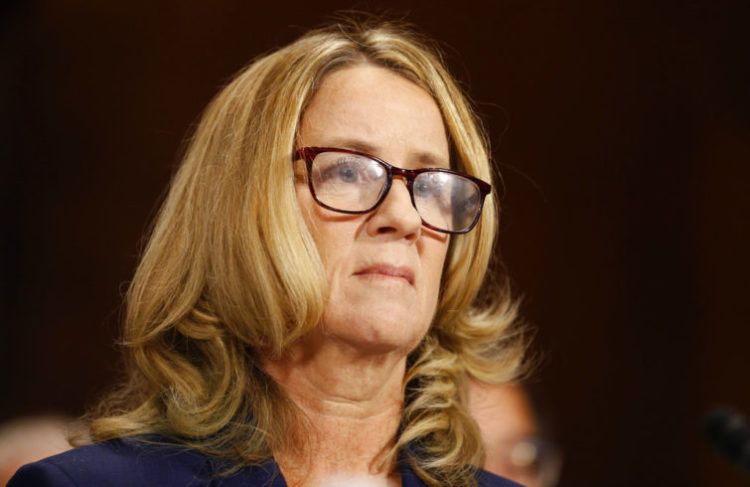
point(352, 404)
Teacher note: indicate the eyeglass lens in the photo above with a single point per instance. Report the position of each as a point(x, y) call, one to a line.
point(352, 182)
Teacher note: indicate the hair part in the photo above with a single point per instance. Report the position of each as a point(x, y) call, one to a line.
point(231, 273)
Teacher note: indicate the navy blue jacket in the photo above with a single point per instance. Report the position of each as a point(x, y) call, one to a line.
point(126, 463)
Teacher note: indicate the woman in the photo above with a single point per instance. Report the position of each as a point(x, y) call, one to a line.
point(305, 312)
point(512, 434)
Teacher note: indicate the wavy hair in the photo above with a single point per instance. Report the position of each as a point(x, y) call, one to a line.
point(231, 273)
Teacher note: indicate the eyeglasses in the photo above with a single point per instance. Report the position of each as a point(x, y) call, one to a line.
point(353, 182)
point(530, 461)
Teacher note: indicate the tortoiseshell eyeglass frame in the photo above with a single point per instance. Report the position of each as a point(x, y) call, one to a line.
point(308, 154)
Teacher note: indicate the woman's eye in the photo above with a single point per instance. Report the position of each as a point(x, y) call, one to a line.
point(348, 173)
point(422, 188)
point(342, 172)
point(430, 186)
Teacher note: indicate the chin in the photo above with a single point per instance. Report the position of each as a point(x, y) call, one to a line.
point(381, 336)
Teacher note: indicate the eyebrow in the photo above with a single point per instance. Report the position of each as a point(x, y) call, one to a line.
point(423, 158)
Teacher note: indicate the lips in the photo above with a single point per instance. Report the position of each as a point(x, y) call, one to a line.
point(388, 270)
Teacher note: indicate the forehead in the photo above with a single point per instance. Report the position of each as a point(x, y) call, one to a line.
point(373, 107)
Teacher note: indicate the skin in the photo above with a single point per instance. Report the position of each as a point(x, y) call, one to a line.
point(347, 375)
point(27, 440)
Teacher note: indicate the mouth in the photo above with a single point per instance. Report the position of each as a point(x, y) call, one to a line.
point(387, 271)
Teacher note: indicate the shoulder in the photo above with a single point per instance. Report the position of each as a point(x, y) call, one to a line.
point(488, 479)
point(484, 479)
point(118, 463)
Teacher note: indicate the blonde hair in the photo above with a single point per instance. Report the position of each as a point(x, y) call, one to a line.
point(231, 272)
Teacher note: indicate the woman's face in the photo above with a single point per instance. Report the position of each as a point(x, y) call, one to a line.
point(383, 267)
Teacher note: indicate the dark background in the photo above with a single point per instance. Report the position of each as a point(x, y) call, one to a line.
point(622, 130)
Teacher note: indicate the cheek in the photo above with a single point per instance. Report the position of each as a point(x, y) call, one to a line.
point(434, 256)
point(333, 247)
point(329, 241)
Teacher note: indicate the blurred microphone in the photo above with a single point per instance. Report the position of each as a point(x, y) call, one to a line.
point(729, 433)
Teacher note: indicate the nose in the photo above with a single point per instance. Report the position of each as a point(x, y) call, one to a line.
point(396, 216)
